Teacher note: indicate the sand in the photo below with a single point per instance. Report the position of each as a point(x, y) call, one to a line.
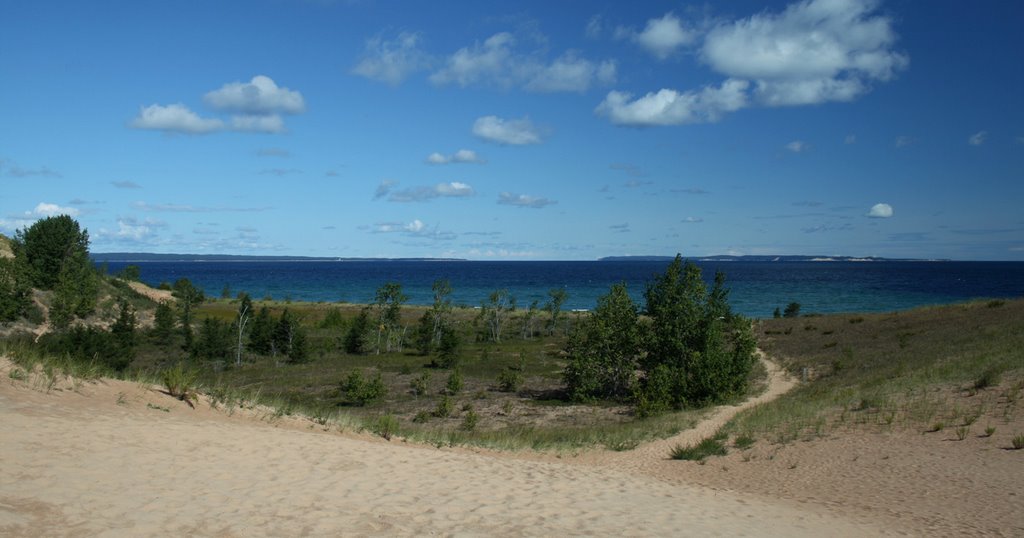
point(115, 458)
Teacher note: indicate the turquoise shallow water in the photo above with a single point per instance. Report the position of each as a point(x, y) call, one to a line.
point(757, 288)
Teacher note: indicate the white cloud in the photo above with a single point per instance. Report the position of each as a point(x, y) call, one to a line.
point(127, 229)
point(44, 209)
point(815, 51)
point(594, 27)
point(392, 61)
point(978, 138)
point(692, 220)
point(461, 156)
point(669, 107)
point(416, 226)
point(880, 211)
point(260, 96)
point(175, 118)
point(453, 189)
point(501, 131)
point(496, 62)
point(797, 146)
point(662, 37)
point(271, 123)
point(524, 200)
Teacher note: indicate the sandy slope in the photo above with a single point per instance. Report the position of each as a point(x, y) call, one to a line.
point(79, 463)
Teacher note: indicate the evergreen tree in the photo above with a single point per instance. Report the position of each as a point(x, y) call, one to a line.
point(284, 332)
point(15, 289)
point(124, 333)
point(356, 339)
point(261, 333)
point(48, 246)
point(163, 323)
point(298, 352)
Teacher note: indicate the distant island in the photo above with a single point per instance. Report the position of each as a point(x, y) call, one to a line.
point(759, 258)
point(130, 257)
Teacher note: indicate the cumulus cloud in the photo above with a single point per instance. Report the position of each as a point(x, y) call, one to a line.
point(461, 156)
point(392, 61)
point(815, 51)
point(880, 211)
point(126, 184)
point(175, 118)
point(797, 146)
point(524, 200)
point(978, 138)
point(663, 37)
point(454, 189)
point(594, 28)
point(515, 132)
point(670, 107)
point(131, 230)
point(416, 228)
point(44, 209)
point(260, 96)
point(497, 62)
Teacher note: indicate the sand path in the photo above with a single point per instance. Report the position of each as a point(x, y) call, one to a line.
point(79, 463)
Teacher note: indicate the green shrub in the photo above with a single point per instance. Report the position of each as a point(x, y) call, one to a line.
point(700, 451)
point(469, 420)
point(361, 391)
point(386, 426)
point(1018, 442)
point(421, 384)
point(989, 378)
point(444, 407)
point(792, 310)
point(181, 383)
point(422, 417)
point(743, 442)
point(454, 384)
point(509, 380)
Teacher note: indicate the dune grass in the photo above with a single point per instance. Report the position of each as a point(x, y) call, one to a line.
point(945, 365)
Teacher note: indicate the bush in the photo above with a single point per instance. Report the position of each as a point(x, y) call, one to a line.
point(181, 383)
point(420, 385)
point(792, 310)
point(988, 378)
point(509, 380)
point(387, 426)
point(1018, 442)
point(469, 420)
point(444, 407)
point(454, 384)
point(700, 451)
point(361, 391)
point(356, 338)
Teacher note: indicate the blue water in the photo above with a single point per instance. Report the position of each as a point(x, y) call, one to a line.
point(757, 288)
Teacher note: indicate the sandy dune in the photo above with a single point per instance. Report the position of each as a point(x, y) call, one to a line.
point(77, 462)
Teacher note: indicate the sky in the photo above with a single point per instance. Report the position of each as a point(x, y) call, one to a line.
point(565, 130)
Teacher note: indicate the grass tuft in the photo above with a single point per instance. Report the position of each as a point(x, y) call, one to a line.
point(704, 449)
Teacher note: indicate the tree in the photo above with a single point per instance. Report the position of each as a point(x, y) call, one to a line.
point(123, 332)
point(163, 322)
point(261, 334)
point(792, 310)
point(554, 307)
point(215, 340)
point(284, 333)
point(356, 338)
point(494, 312)
point(528, 319)
point(131, 273)
point(188, 297)
point(298, 351)
point(48, 246)
point(15, 289)
point(604, 349)
point(241, 320)
point(389, 301)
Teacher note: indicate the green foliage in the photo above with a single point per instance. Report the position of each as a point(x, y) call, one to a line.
point(333, 320)
point(386, 426)
point(88, 345)
point(553, 307)
point(743, 442)
point(700, 451)
point(123, 332)
point(510, 380)
point(181, 383)
point(49, 247)
point(357, 338)
point(15, 289)
point(283, 334)
point(163, 323)
point(455, 383)
point(989, 378)
point(444, 407)
point(604, 349)
point(469, 420)
point(421, 384)
point(389, 300)
point(131, 273)
point(215, 340)
point(698, 352)
point(792, 310)
point(361, 391)
point(261, 333)
point(448, 350)
point(495, 311)
point(777, 314)
point(1018, 442)
point(298, 352)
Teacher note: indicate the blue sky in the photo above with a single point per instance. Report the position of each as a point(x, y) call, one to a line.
point(540, 130)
